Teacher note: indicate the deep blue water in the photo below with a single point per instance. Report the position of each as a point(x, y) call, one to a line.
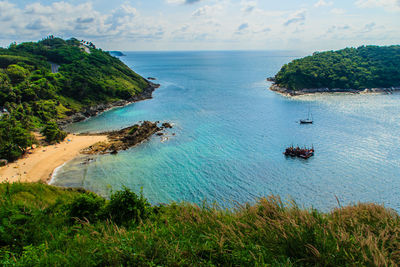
point(231, 132)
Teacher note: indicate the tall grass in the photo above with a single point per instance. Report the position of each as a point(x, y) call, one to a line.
point(44, 225)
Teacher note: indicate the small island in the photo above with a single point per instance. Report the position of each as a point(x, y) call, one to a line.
point(350, 70)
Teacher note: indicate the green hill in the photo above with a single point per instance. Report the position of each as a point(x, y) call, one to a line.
point(42, 82)
point(41, 225)
point(350, 68)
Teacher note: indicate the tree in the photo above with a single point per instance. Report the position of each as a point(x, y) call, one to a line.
point(350, 68)
point(52, 133)
point(14, 138)
point(17, 73)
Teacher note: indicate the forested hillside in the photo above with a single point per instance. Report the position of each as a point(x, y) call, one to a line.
point(350, 68)
point(41, 82)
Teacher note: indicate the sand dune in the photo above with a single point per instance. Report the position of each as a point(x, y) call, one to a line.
point(40, 164)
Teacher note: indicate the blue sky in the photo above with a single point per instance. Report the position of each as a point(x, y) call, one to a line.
point(205, 24)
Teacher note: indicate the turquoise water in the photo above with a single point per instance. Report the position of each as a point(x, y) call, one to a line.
point(231, 132)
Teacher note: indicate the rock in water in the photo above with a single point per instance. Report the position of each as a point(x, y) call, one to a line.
point(125, 138)
point(166, 125)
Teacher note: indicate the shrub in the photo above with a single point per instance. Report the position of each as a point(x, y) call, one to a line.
point(53, 133)
point(126, 207)
point(86, 206)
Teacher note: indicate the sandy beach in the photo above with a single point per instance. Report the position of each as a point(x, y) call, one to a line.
point(40, 162)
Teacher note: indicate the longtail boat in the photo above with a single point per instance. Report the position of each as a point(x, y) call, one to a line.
point(304, 152)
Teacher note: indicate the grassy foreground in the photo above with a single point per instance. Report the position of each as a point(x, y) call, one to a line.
point(45, 225)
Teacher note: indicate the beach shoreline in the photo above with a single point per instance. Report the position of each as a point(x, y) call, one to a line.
point(39, 163)
point(311, 91)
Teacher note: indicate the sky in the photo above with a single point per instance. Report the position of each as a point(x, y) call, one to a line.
point(129, 25)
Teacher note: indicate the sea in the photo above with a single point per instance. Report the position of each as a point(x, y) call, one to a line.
point(229, 133)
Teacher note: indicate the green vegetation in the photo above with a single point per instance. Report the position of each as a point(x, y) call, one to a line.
point(14, 138)
point(44, 225)
point(350, 68)
point(52, 133)
point(34, 96)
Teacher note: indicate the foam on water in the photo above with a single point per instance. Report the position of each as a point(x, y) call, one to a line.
point(55, 172)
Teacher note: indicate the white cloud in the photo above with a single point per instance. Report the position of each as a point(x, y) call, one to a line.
point(249, 6)
point(322, 3)
point(369, 27)
point(183, 2)
point(39, 24)
point(122, 17)
point(65, 20)
point(262, 30)
point(389, 5)
point(340, 28)
point(39, 9)
point(360, 34)
point(297, 17)
point(338, 11)
point(8, 12)
point(207, 11)
point(211, 24)
point(201, 11)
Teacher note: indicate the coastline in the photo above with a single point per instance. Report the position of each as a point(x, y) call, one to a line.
point(40, 163)
point(50, 181)
point(92, 111)
point(310, 91)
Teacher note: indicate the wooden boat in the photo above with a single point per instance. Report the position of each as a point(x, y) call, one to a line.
point(304, 152)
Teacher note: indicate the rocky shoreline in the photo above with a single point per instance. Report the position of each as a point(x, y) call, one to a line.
point(126, 138)
point(97, 109)
point(287, 92)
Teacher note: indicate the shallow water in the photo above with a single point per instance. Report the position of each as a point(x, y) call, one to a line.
point(231, 132)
